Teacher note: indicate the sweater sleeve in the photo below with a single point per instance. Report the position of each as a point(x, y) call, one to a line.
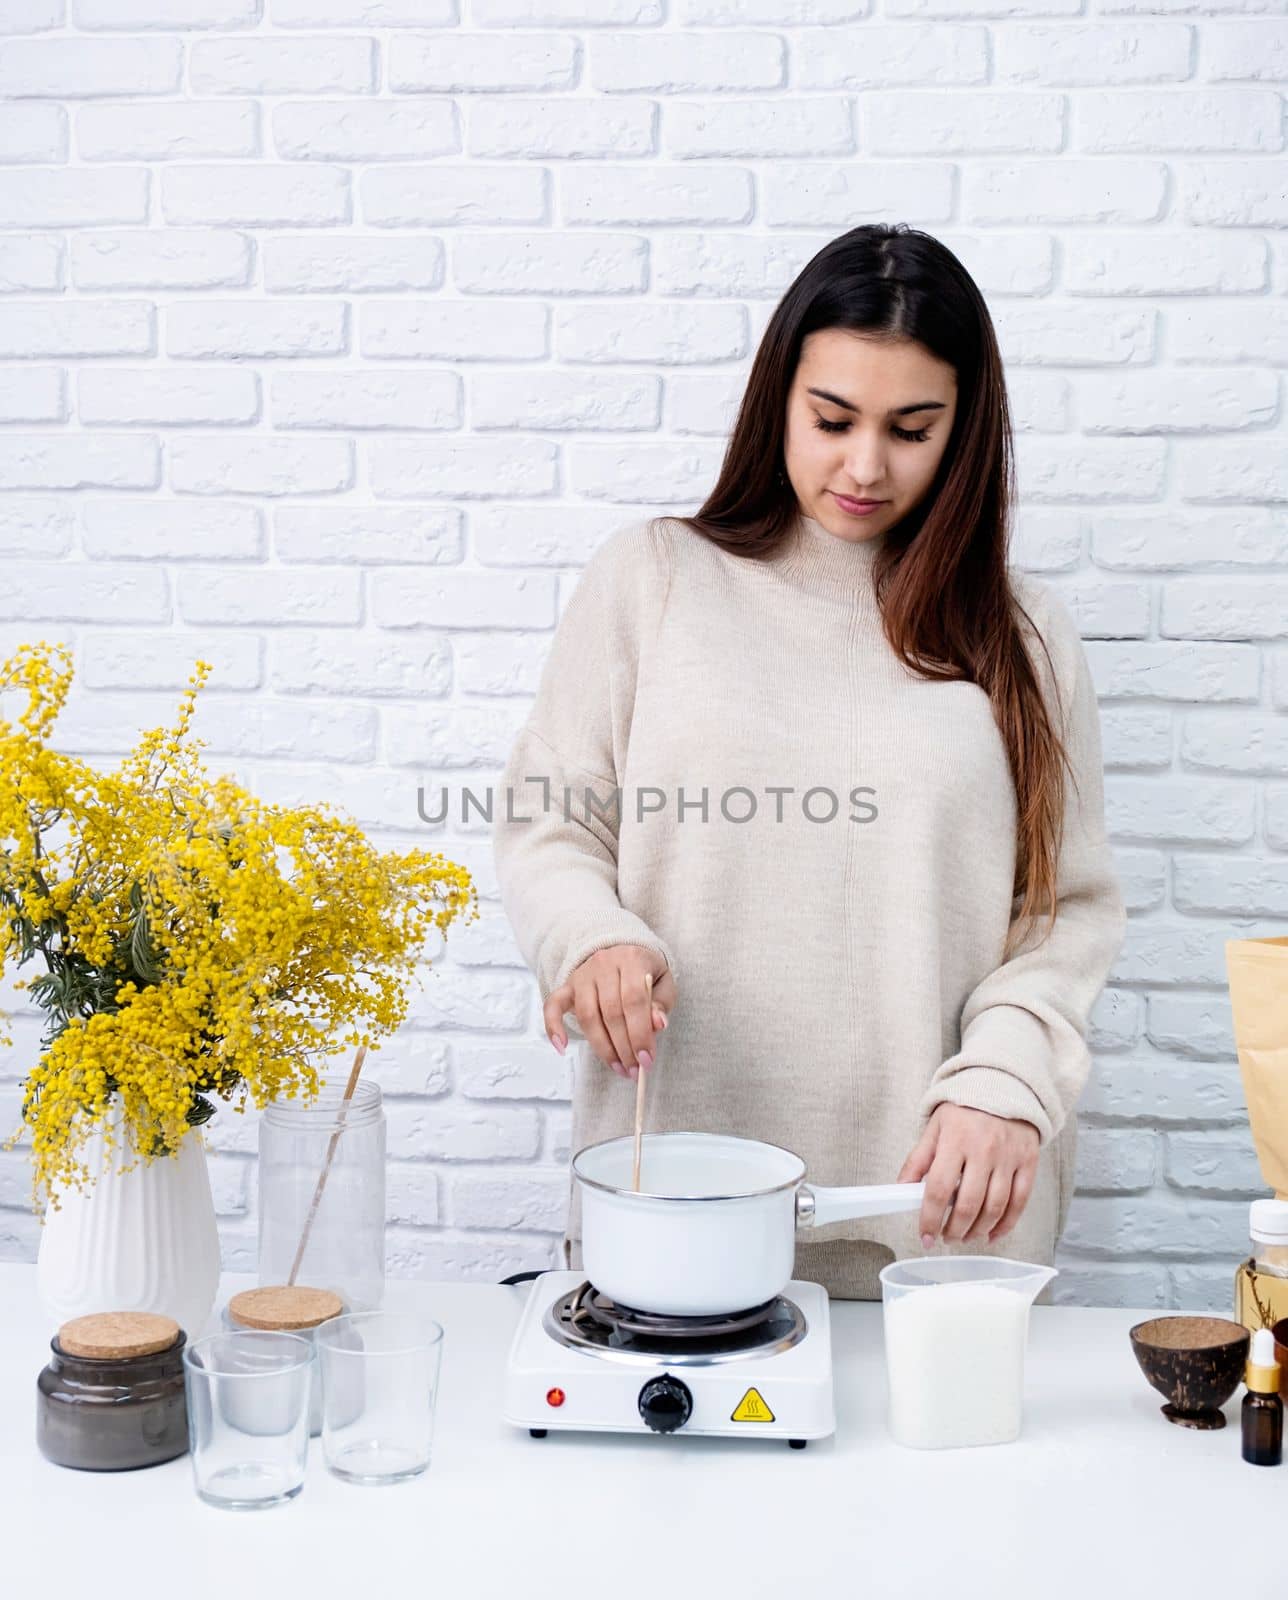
point(555, 837)
point(1023, 1027)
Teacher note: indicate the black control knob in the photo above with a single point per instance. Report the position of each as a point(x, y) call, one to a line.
point(665, 1403)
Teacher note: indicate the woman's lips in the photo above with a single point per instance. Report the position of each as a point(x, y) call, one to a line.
point(857, 508)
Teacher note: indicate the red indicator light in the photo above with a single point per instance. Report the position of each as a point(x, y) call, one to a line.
point(555, 1397)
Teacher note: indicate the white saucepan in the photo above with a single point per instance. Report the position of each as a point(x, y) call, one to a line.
point(713, 1228)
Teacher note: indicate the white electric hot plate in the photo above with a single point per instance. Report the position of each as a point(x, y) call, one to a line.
point(579, 1362)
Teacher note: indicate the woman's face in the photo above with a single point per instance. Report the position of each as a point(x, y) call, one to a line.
point(867, 419)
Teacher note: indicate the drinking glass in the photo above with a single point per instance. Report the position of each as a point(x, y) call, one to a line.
point(248, 1416)
point(379, 1387)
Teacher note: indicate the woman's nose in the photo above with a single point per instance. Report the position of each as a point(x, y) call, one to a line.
point(866, 468)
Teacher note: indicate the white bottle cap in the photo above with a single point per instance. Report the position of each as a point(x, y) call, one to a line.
point(1268, 1221)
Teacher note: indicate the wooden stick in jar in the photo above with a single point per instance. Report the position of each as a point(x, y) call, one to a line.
point(326, 1165)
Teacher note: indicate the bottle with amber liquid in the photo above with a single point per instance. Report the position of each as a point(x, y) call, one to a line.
point(1261, 1283)
point(1263, 1409)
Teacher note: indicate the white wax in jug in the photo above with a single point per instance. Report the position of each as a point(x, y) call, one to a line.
point(955, 1364)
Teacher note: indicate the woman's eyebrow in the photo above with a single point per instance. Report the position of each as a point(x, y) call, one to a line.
point(900, 411)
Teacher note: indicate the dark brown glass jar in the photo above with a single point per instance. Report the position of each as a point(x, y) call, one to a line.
point(112, 1396)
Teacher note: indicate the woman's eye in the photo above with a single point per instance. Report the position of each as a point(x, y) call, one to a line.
point(917, 435)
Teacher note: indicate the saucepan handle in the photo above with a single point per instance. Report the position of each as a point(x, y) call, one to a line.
point(816, 1207)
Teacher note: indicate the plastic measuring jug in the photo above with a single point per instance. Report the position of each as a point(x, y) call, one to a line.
point(955, 1333)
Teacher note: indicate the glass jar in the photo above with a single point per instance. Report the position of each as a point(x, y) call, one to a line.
point(122, 1406)
point(322, 1171)
point(277, 1309)
point(1268, 1233)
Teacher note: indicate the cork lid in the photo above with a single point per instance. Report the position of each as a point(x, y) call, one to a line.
point(284, 1307)
point(117, 1335)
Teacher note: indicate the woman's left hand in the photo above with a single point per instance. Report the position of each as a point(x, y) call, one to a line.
point(990, 1162)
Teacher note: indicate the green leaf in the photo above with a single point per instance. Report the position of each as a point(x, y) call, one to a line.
point(200, 1111)
point(140, 948)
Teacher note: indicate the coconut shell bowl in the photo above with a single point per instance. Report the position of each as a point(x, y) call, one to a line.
point(1196, 1362)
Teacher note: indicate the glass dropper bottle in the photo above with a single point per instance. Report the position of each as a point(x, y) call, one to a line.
point(1263, 1409)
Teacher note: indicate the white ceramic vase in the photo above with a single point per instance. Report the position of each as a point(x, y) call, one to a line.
point(145, 1240)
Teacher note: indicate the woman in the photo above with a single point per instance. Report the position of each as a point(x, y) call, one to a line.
point(828, 774)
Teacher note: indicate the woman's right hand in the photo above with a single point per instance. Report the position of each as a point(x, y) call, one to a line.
point(620, 997)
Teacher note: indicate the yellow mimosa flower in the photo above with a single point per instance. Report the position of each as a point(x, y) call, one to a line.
point(196, 942)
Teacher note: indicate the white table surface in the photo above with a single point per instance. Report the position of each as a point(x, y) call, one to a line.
point(1098, 1491)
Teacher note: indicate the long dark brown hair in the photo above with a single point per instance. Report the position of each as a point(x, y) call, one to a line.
point(948, 607)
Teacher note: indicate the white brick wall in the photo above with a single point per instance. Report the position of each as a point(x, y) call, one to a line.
point(335, 334)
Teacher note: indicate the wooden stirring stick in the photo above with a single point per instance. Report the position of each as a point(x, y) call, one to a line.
point(326, 1165)
point(639, 1097)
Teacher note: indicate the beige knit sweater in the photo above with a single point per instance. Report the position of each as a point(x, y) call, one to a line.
point(839, 973)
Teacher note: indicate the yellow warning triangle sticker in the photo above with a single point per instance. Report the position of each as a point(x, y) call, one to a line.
point(752, 1408)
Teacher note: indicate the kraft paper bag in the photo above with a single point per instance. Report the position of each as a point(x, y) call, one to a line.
point(1258, 974)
